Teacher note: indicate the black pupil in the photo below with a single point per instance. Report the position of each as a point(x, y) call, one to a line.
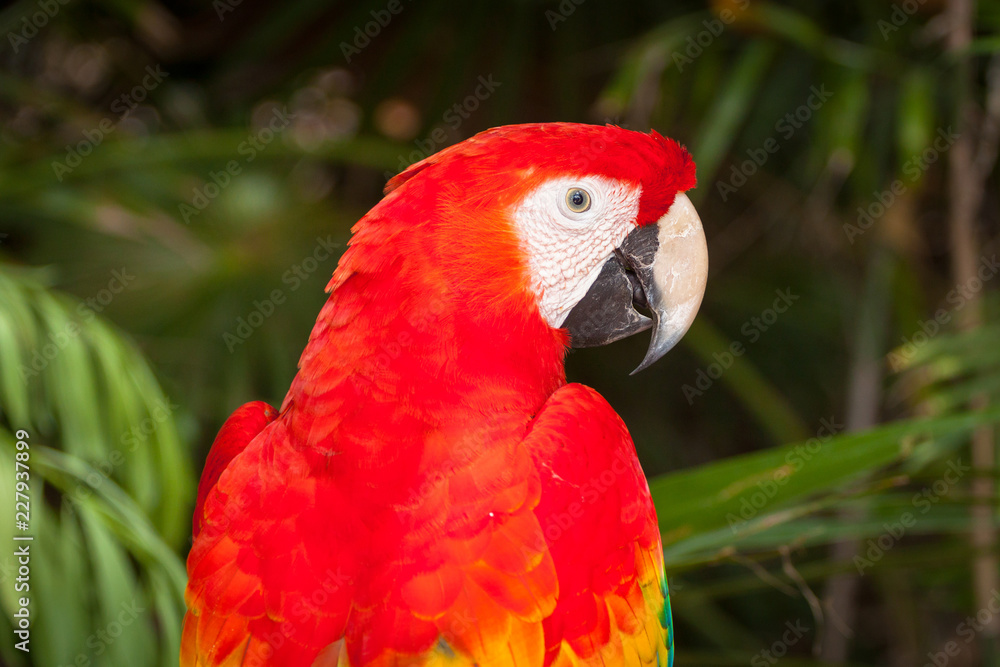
point(576, 198)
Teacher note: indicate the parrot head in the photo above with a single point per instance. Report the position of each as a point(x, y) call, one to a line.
point(589, 224)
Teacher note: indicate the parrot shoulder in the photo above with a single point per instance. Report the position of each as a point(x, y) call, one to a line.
point(234, 436)
point(613, 606)
point(271, 579)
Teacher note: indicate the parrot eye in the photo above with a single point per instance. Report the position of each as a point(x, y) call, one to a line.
point(577, 200)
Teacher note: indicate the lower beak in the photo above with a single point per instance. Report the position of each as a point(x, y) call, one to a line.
point(661, 269)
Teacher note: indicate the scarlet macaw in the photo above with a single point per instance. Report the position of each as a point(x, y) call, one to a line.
point(432, 491)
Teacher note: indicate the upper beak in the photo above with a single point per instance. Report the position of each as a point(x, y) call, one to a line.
point(660, 268)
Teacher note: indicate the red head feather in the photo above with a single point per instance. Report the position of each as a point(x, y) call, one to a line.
point(536, 151)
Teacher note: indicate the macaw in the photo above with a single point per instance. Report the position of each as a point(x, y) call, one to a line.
point(432, 491)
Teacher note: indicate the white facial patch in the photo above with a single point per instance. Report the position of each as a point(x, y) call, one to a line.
point(566, 249)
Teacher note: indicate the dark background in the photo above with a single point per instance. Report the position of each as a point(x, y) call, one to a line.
point(177, 181)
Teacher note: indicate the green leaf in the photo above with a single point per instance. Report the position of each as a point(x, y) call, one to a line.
point(761, 486)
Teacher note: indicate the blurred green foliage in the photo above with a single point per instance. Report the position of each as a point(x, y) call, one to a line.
point(177, 181)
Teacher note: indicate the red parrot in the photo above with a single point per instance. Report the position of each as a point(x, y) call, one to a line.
point(432, 490)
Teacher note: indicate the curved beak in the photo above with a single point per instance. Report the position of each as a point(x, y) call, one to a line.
point(661, 269)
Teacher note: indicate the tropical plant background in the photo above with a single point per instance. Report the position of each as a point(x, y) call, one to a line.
point(821, 446)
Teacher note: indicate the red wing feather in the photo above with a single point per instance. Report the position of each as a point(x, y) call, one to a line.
point(241, 427)
point(601, 529)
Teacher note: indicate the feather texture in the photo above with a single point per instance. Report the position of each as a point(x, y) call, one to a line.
point(432, 492)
